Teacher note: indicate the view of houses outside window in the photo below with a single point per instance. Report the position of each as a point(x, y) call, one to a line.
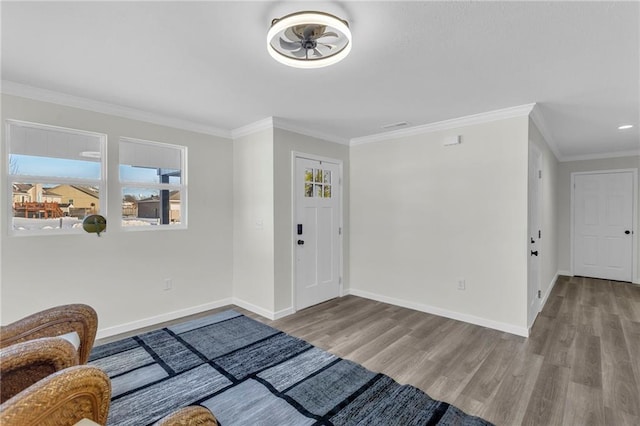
point(153, 184)
point(56, 177)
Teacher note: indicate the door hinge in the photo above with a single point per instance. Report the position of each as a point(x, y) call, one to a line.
point(339, 280)
point(539, 174)
point(539, 234)
point(539, 294)
point(340, 231)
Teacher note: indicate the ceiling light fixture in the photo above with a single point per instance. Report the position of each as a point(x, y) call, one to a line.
point(625, 126)
point(309, 39)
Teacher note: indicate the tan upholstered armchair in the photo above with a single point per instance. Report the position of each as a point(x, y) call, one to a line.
point(193, 415)
point(61, 399)
point(30, 352)
point(60, 320)
point(25, 363)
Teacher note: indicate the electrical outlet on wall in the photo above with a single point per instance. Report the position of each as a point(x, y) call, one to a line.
point(462, 285)
point(168, 284)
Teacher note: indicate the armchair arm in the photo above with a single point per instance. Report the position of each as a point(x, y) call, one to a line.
point(193, 415)
point(52, 322)
point(23, 364)
point(61, 399)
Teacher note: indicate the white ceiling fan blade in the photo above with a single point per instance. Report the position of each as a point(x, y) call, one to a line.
point(329, 46)
point(329, 34)
point(291, 35)
point(324, 49)
point(317, 53)
point(289, 45)
point(301, 53)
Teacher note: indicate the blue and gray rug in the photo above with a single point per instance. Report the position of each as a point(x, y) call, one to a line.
point(248, 373)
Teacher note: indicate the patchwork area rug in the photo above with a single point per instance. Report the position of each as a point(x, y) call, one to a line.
point(248, 373)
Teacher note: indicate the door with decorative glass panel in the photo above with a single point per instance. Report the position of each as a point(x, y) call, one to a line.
point(317, 231)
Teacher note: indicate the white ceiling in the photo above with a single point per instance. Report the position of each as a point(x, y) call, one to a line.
point(421, 62)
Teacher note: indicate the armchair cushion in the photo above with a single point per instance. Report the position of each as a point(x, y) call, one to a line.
point(72, 338)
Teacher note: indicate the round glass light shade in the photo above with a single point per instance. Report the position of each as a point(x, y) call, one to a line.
point(309, 40)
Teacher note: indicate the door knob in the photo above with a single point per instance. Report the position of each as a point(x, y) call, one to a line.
point(627, 232)
point(300, 242)
point(534, 253)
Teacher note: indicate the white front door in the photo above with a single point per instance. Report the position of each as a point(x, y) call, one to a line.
point(603, 222)
point(535, 204)
point(317, 231)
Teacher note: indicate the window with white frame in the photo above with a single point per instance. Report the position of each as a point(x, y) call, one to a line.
point(153, 184)
point(56, 177)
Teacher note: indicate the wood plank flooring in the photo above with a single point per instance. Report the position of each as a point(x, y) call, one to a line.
point(580, 366)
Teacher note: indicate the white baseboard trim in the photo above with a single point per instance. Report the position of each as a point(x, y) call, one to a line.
point(552, 284)
point(169, 316)
point(262, 311)
point(569, 274)
point(543, 302)
point(253, 308)
point(283, 313)
point(496, 325)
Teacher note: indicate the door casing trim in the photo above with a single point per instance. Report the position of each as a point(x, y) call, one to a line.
point(634, 207)
point(295, 155)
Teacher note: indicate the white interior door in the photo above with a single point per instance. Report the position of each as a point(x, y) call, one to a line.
point(535, 205)
point(317, 231)
point(603, 219)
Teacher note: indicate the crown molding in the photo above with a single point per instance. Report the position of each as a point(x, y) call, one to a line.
point(282, 124)
point(601, 156)
point(279, 123)
point(538, 120)
point(255, 127)
point(485, 117)
point(44, 95)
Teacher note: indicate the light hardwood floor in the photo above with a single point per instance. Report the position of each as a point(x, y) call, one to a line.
point(580, 366)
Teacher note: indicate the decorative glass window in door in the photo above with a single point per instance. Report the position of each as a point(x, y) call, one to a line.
point(317, 183)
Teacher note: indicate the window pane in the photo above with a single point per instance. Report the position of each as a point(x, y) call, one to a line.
point(308, 175)
point(149, 175)
point(150, 162)
point(51, 206)
point(146, 207)
point(308, 190)
point(44, 141)
point(56, 167)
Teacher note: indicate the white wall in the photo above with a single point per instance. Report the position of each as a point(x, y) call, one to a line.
point(418, 217)
point(424, 216)
point(564, 201)
point(253, 225)
point(121, 274)
point(286, 142)
point(549, 221)
point(262, 254)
